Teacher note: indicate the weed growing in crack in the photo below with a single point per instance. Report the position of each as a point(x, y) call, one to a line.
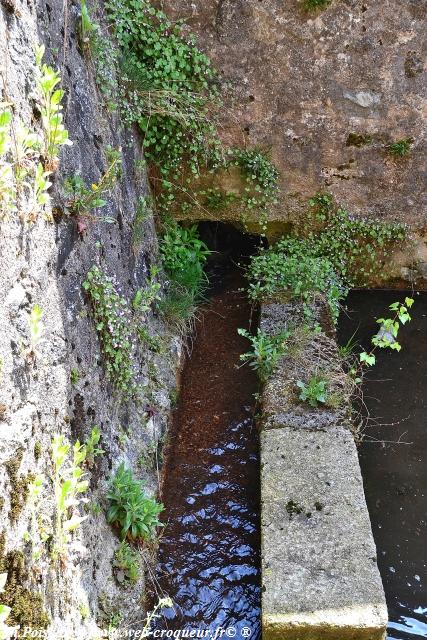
point(83, 200)
point(314, 5)
point(69, 484)
point(314, 391)
point(126, 563)
point(102, 54)
point(266, 351)
point(400, 148)
point(145, 298)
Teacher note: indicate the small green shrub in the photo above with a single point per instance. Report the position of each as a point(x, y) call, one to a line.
point(112, 316)
point(315, 391)
point(135, 513)
point(266, 351)
point(126, 561)
point(183, 255)
point(400, 148)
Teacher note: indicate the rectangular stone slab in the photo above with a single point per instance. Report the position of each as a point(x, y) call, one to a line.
point(319, 570)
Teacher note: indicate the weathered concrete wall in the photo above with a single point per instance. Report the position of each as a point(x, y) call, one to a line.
point(46, 262)
point(319, 574)
point(302, 84)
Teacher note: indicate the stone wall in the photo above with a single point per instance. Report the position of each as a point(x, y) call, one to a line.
point(327, 92)
point(64, 388)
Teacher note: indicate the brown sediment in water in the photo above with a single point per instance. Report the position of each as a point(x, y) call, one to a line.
point(208, 559)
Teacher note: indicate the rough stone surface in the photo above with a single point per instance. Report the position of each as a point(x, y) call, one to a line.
point(309, 353)
point(319, 572)
point(302, 83)
point(45, 263)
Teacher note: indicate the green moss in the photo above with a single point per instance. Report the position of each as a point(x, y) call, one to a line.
point(358, 139)
point(19, 485)
point(37, 450)
point(312, 5)
point(26, 606)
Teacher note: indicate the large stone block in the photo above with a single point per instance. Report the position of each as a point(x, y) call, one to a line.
point(319, 571)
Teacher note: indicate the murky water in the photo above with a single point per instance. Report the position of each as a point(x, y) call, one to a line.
point(393, 457)
point(209, 553)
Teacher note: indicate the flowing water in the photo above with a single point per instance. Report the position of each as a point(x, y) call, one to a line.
point(208, 559)
point(393, 456)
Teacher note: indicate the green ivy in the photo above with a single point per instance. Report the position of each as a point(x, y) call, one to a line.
point(356, 247)
point(289, 267)
point(167, 86)
point(328, 253)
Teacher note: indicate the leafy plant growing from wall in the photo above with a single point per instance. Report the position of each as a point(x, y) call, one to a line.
point(7, 184)
point(55, 134)
point(127, 563)
point(183, 255)
point(36, 328)
point(328, 252)
point(130, 509)
point(84, 200)
point(113, 323)
point(69, 484)
point(386, 337)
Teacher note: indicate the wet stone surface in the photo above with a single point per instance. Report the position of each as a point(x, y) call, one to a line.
point(209, 552)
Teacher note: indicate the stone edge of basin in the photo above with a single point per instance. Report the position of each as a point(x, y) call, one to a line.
point(320, 579)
